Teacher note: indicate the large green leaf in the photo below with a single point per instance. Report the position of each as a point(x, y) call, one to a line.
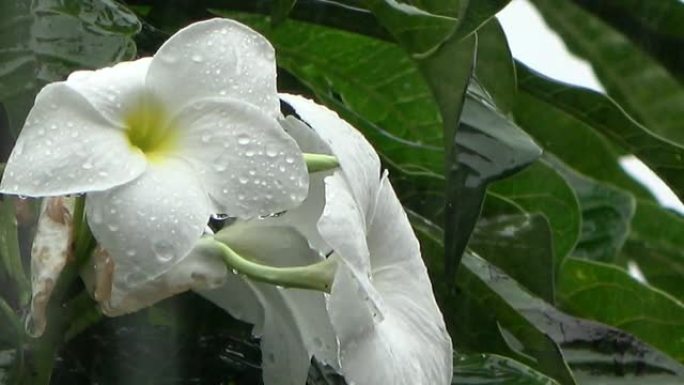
point(606, 214)
point(539, 188)
point(516, 242)
point(655, 26)
point(608, 294)
point(491, 369)
point(562, 132)
point(657, 246)
point(639, 83)
point(44, 40)
point(488, 147)
point(481, 319)
point(665, 157)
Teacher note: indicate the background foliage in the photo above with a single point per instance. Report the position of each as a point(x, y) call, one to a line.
point(512, 180)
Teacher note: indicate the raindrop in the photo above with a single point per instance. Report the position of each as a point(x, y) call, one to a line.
point(197, 58)
point(163, 250)
point(87, 166)
point(243, 140)
point(243, 180)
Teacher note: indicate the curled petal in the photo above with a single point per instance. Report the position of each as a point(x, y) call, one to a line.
point(52, 246)
point(247, 162)
point(409, 345)
point(113, 91)
point(202, 271)
point(150, 224)
point(358, 161)
point(223, 58)
point(68, 147)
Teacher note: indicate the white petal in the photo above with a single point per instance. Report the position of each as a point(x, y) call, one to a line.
point(410, 345)
point(295, 324)
point(49, 254)
point(358, 161)
point(248, 163)
point(217, 57)
point(200, 270)
point(68, 147)
point(113, 90)
point(150, 224)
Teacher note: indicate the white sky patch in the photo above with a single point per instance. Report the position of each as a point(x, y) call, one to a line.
point(535, 44)
point(644, 175)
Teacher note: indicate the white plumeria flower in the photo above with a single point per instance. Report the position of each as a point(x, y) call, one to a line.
point(382, 307)
point(160, 143)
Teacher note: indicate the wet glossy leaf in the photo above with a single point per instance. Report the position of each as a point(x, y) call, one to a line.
point(478, 316)
point(45, 40)
point(514, 243)
point(598, 354)
point(606, 213)
point(559, 131)
point(491, 369)
point(488, 147)
point(539, 188)
point(640, 84)
point(608, 294)
point(657, 246)
point(664, 157)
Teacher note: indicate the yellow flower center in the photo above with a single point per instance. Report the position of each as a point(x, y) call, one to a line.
point(148, 129)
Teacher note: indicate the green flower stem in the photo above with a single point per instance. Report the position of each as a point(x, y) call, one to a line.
point(318, 276)
point(320, 162)
point(11, 317)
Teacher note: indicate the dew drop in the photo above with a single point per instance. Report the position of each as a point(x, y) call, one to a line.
point(163, 251)
point(243, 140)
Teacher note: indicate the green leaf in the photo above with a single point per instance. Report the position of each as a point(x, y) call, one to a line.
point(664, 157)
point(492, 369)
point(475, 14)
point(608, 294)
point(606, 214)
point(559, 131)
point(476, 313)
point(657, 246)
point(646, 90)
point(516, 242)
point(655, 26)
point(539, 188)
point(420, 31)
point(43, 41)
point(495, 68)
